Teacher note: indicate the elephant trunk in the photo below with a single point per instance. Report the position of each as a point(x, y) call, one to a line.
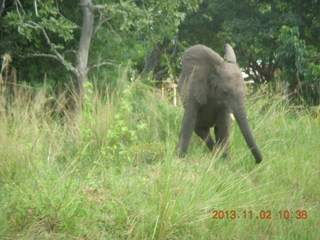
point(241, 117)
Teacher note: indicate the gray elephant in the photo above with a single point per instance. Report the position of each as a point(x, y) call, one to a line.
point(211, 88)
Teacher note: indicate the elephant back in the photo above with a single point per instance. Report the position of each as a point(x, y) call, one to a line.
point(199, 55)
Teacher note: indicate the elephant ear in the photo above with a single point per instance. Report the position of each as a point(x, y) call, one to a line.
point(198, 62)
point(200, 84)
point(230, 56)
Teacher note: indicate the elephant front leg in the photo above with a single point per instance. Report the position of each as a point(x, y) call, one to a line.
point(222, 132)
point(188, 125)
point(204, 133)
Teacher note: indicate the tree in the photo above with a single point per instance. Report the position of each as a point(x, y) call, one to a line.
point(48, 24)
point(164, 19)
point(245, 24)
point(253, 27)
point(51, 29)
point(298, 62)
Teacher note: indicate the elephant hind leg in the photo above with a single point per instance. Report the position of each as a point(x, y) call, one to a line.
point(204, 133)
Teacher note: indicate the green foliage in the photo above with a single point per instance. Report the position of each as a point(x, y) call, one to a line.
point(292, 52)
point(121, 134)
point(152, 20)
point(87, 119)
point(129, 30)
point(254, 29)
point(124, 31)
point(293, 55)
point(117, 143)
point(28, 30)
point(49, 20)
point(165, 17)
point(239, 23)
point(268, 37)
point(48, 190)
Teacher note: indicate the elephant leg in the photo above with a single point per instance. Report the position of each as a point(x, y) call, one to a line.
point(216, 132)
point(188, 125)
point(204, 133)
point(222, 132)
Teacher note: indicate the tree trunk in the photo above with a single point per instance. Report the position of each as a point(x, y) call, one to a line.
point(163, 73)
point(153, 58)
point(81, 73)
point(85, 42)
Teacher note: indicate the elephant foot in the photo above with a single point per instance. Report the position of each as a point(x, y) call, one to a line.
point(258, 161)
point(226, 155)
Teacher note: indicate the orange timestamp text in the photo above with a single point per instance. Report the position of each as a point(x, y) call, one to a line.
point(262, 214)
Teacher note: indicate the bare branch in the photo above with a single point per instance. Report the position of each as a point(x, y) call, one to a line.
point(36, 8)
point(98, 7)
point(31, 55)
point(100, 23)
point(52, 56)
point(32, 25)
point(102, 64)
point(47, 37)
point(18, 5)
point(35, 25)
point(56, 54)
point(52, 46)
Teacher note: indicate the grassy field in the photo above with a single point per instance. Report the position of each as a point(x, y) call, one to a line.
point(114, 173)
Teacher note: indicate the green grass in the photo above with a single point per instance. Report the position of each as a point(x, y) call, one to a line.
point(115, 173)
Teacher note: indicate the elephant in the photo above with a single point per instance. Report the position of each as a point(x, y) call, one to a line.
point(211, 88)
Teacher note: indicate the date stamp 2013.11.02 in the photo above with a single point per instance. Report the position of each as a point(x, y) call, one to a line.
point(262, 214)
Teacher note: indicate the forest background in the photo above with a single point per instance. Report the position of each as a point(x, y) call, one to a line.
point(271, 38)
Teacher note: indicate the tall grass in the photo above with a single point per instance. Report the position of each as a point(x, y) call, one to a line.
point(115, 174)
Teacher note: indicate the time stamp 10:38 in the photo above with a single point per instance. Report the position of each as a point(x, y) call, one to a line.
point(262, 214)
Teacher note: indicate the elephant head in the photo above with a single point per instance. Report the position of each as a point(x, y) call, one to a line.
point(211, 88)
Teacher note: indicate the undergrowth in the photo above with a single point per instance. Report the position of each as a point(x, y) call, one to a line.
point(116, 175)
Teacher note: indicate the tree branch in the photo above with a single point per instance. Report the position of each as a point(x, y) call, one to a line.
point(98, 7)
point(251, 70)
point(52, 56)
point(100, 23)
point(18, 5)
point(35, 8)
point(56, 54)
point(31, 55)
point(101, 64)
